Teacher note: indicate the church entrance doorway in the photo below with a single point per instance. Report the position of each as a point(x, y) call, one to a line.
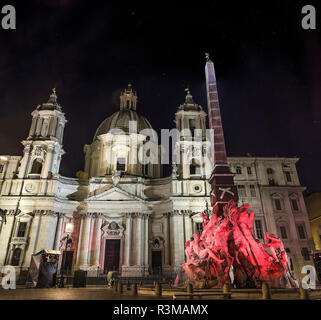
point(112, 252)
point(66, 263)
point(157, 262)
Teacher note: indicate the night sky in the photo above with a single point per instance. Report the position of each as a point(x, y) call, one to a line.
point(268, 71)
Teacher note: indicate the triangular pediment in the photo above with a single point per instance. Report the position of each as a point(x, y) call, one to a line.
point(113, 194)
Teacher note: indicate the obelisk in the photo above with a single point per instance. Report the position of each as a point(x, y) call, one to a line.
point(221, 180)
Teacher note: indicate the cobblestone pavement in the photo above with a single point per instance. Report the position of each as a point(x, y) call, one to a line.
point(94, 293)
point(104, 293)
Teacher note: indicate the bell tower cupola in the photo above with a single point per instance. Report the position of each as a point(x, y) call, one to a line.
point(43, 147)
point(190, 120)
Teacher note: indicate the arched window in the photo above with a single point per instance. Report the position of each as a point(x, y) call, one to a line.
point(36, 166)
point(16, 257)
point(44, 128)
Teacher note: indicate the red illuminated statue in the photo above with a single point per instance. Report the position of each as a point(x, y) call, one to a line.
point(228, 242)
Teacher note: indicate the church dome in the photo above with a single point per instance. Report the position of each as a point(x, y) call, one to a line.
point(121, 118)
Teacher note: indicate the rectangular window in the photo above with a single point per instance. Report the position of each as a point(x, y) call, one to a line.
point(22, 229)
point(121, 164)
point(301, 232)
point(199, 227)
point(295, 206)
point(192, 169)
point(241, 190)
point(249, 170)
point(305, 253)
point(283, 232)
point(277, 203)
point(1, 168)
point(238, 170)
point(252, 191)
point(288, 176)
point(259, 229)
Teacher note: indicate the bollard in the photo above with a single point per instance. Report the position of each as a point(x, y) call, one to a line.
point(226, 291)
point(116, 286)
point(134, 289)
point(304, 294)
point(158, 289)
point(62, 281)
point(266, 293)
point(226, 288)
point(120, 287)
point(189, 288)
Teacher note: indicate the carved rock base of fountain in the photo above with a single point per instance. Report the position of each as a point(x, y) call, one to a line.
point(228, 252)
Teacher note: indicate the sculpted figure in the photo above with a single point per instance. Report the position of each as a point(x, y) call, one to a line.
point(228, 243)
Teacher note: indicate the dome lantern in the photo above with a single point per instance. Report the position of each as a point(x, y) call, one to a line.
point(128, 99)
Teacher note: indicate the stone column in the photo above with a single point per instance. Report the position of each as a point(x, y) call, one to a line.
point(46, 230)
point(139, 238)
point(84, 239)
point(188, 226)
point(48, 161)
point(33, 236)
point(59, 231)
point(167, 239)
point(146, 235)
point(128, 241)
point(178, 239)
point(5, 237)
point(24, 162)
point(33, 127)
point(96, 253)
point(38, 126)
point(133, 159)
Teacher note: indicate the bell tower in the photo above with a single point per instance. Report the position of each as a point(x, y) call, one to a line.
point(190, 120)
point(43, 147)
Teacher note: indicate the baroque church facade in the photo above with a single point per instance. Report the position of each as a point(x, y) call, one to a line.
point(126, 216)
